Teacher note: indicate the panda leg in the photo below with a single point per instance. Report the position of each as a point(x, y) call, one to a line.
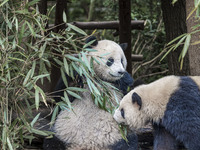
point(53, 144)
point(163, 140)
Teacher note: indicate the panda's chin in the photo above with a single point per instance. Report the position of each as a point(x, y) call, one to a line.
point(116, 77)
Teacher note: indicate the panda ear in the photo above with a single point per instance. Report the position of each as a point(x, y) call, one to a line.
point(92, 40)
point(137, 98)
point(124, 46)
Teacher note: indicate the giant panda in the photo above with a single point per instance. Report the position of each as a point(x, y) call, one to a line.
point(88, 127)
point(172, 102)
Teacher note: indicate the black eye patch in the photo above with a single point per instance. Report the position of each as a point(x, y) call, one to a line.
point(122, 113)
point(110, 62)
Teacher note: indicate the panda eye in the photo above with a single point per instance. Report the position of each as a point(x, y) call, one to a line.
point(110, 62)
point(122, 113)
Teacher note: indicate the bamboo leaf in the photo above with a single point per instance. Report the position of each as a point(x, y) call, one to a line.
point(53, 117)
point(9, 144)
point(27, 77)
point(64, 77)
point(34, 120)
point(31, 29)
point(66, 66)
point(33, 69)
point(5, 1)
point(37, 98)
point(66, 99)
point(88, 44)
point(73, 94)
point(64, 17)
point(186, 45)
point(76, 68)
point(73, 58)
point(86, 61)
point(76, 89)
point(176, 38)
point(33, 2)
point(76, 29)
point(39, 132)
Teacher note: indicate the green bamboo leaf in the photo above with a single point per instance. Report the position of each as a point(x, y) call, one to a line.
point(55, 113)
point(39, 132)
point(172, 47)
point(176, 38)
point(40, 76)
point(37, 98)
point(21, 35)
point(73, 58)
point(34, 120)
point(18, 59)
point(76, 89)
point(66, 99)
point(33, 69)
point(73, 94)
point(33, 2)
point(86, 61)
point(16, 24)
point(90, 50)
point(64, 77)
point(88, 44)
point(30, 28)
point(66, 66)
point(64, 17)
point(27, 77)
point(76, 29)
point(58, 61)
point(43, 95)
point(5, 1)
point(180, 42)
point(89, 84)
point(186, 45)
point(105, 54)
point(76, 68)
point(95, 89)
point(9, 144)
point(42, 49)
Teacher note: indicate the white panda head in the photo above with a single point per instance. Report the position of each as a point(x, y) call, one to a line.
point(112, 61)
point(130, 111)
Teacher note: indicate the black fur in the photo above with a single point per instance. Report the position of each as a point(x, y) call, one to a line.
point(53, 144)
point(182, 116)
point(137, 98)
point(124, 46)
point(163, 140)
point(124, 82)
point(60, 86)
point(123, 145)
point(91, 38)
point(137, 83)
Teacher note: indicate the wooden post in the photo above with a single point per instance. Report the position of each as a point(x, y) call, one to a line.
point(125, 28)
point(43, 7)
point(61, 6)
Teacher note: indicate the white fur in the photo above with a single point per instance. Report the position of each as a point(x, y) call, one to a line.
point(154, 96)
point(89, 127)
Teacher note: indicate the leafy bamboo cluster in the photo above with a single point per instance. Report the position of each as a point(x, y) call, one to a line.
point(28, 51)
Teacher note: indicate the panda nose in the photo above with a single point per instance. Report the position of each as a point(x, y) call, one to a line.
point(121, 72)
